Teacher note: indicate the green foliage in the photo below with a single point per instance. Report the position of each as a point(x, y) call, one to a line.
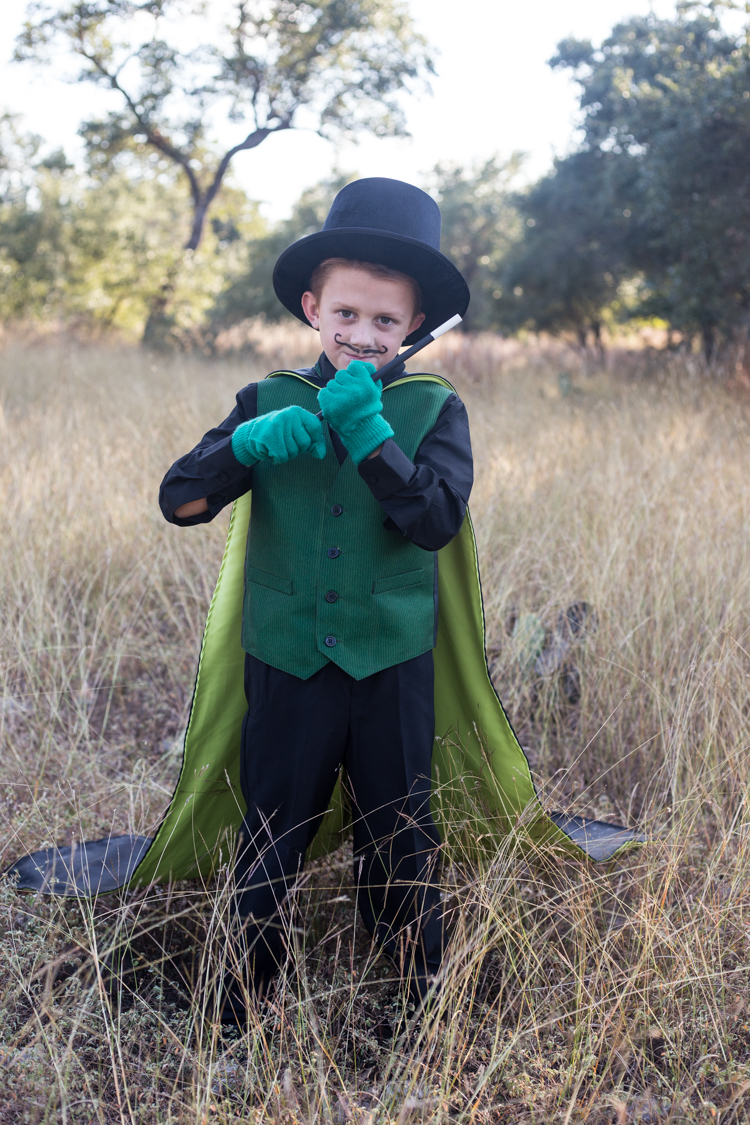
point(564, 274)
point(251, 292)
point(666, 148)
point(479, 226)
point(338, 67)
point(649, 218)
point(96, 250)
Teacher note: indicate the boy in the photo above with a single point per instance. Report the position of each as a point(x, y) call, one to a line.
point(340, 608)
point(334, 595)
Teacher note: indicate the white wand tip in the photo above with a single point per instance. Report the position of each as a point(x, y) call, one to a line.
point(446, 327)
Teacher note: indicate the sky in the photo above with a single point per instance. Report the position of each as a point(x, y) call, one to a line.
point(493, 94)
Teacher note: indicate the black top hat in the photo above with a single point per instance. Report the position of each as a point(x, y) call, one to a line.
point(384, 221)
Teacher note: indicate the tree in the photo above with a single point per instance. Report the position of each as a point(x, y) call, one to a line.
point(93, 251)
point(479, 225)
point(32, 234)
point(251, 293)
point(671, 98)
point(336, 66)
point(564, 274)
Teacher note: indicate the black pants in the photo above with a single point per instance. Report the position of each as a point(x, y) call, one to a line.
point(296, 736)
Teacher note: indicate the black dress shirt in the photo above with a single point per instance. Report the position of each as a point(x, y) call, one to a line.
point(424, 499)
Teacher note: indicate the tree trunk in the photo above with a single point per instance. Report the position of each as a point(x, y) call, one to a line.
point(708, 336)
point(158, 332)
point(200, 210)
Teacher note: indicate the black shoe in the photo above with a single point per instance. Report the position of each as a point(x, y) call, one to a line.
point(233, 1011)
point(388, 1025)
point(236, 1001)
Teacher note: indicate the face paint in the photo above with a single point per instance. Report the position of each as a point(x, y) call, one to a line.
point(364, 352)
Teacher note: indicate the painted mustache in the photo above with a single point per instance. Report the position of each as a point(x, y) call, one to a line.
point(355, 348)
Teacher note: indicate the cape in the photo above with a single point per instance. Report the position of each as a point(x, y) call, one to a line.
point(484, 797)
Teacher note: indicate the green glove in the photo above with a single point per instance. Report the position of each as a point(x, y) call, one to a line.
point(278, 436)
point(351, 405)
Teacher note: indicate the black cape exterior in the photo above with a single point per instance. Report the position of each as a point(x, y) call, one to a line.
point(483, 794)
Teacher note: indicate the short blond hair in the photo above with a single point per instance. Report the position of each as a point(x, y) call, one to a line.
point(322, 273)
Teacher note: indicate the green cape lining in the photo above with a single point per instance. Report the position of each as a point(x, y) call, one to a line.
point(482, 786)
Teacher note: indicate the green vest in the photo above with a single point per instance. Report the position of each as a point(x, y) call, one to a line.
point(323, 579)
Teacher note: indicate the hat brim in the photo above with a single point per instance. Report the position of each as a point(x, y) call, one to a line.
point(444, 291)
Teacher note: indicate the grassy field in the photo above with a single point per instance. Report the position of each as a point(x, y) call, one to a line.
point(615, 993)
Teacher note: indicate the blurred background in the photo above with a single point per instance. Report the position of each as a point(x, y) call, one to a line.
point(591, 159)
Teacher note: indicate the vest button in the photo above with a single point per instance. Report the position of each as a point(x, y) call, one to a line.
point(336, 510)
point(373, 479)
point(333, 552)
point(331, 596)
point(330, 641)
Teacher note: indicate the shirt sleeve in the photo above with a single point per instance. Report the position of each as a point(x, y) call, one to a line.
point(211, 468)
point(426, 499)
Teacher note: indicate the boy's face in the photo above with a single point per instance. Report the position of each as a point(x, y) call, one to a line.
point(361, 317)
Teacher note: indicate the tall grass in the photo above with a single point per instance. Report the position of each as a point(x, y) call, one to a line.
point(616, 993)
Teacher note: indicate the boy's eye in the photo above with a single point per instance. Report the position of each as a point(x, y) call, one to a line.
point(347, 313)
point(386, 319)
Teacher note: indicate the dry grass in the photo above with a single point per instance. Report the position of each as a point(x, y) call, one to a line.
point(608, 994)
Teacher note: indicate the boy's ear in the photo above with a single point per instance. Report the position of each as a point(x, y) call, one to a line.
point(418, 319)
point(310, 308)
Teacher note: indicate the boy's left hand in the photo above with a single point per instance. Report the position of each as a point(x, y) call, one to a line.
point(351, 404)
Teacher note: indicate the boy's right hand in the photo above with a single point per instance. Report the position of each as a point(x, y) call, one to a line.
point(279, 436)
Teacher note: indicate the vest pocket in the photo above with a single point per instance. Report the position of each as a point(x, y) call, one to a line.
point(397, 581)
point(281, 585)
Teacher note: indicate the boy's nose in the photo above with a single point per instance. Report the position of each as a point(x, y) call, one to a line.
point(362, 335)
